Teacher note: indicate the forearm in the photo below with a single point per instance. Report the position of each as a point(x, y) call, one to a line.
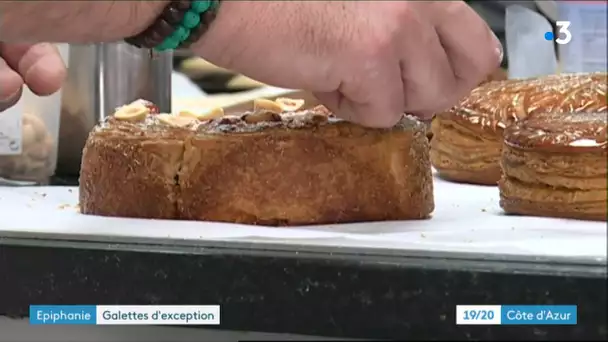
point(108, 21)
point(219, 43)
point(75, 21)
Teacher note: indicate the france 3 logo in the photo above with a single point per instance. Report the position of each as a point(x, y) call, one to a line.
point(564, 34)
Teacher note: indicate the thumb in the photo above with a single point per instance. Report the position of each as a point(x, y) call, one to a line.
point(39, 65)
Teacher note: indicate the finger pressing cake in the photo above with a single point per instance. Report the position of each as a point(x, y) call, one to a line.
point(554, 164)
point(467, 139)
point(274, 165)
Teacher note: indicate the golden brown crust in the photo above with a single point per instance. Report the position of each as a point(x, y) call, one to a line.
point(496, 105)
point(130, 176)
point(467, 139)
point(524, 199)
point(304, 168)
point(555, 165)
point(429, 133)
point(462, 155)
point(570, 132)
point(335, 173)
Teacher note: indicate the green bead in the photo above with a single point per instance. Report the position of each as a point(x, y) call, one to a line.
point(180, 34)
point(201, 6)
point(172, 44)
point(191, 20)
point(162, 46)
point(168, 44)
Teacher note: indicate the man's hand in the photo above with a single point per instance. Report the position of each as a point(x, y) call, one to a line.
point(368, 61)
point(39, 66)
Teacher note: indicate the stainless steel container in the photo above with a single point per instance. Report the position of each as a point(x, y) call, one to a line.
point(100, 78)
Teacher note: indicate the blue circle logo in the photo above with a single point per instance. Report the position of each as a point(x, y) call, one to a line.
point(549, 36)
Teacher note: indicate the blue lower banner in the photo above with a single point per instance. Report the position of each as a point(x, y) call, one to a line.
point(516, 315)
point(125, 314)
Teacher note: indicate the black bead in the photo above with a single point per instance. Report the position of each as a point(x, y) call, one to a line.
point(163, 28)
point(166, 24)
point(173, 16)
point(135, 41)
point(153, 39)
point(181, 5)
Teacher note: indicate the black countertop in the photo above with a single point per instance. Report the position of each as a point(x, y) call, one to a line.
point(318, 293)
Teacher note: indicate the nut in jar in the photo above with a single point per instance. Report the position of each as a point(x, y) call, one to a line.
point(36, 161)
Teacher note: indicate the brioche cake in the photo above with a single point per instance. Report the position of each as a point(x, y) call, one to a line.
point(554, 164)
point(468, 138)
point(275, 165)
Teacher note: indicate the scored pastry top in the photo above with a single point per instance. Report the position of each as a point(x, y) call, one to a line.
point(142, 118)
point(575, 131)
point(496, 105)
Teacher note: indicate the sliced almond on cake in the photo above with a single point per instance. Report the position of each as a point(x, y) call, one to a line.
point(289, 105)
point(266, 105)
point(175, 120)
point(133, 113)
point(211, 114)
point(261, 116)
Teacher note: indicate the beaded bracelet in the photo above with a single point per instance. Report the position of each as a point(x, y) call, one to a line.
point(181, 23)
